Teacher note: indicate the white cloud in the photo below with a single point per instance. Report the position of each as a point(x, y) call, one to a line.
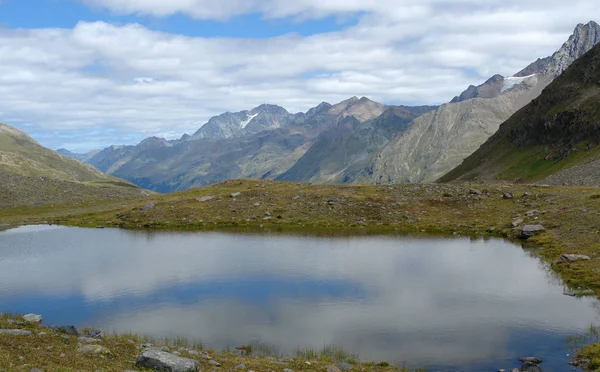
point(130, 79)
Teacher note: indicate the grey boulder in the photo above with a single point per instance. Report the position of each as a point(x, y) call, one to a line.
point(148, 207)
point(573, 257)
point(528, 231)
point(159, 360)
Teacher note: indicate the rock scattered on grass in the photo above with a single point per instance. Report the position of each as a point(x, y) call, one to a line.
point(205, 198)
point(148, 207)
point(573, 257)
point(33, 318)
point(528, 231)
point(236, 194)
point(508, 195)
point(159, 360)
point(94, 350)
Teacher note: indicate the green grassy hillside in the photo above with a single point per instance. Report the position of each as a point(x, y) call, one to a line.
point(31, 174)
point(557, 131)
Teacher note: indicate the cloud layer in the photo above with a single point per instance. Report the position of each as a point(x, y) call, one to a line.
point(102, 83)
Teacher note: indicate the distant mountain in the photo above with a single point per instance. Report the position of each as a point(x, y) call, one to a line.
point(440, 140)
point(555, 139)
point(32, 174)
point(84, 157)
point(264, 142)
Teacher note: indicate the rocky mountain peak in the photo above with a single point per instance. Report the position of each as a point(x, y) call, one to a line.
point(584, 37)
point(362, 109)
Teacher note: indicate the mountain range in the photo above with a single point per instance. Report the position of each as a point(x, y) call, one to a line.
point(354, 141)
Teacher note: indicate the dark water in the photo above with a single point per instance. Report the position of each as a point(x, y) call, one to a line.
point(451, 305)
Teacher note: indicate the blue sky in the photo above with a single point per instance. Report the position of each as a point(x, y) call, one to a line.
point(86, 74)
point(67, 13)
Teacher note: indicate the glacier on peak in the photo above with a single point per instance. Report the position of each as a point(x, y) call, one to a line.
point(512, 81)
point(248, 120)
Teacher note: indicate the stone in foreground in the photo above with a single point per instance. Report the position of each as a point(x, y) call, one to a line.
point(573, 257)
point(33, 318)
point(15, 332)
point(531, 360)
point(531, 230)
point(159, 360)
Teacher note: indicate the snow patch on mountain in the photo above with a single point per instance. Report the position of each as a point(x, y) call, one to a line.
point(248, 120)
point(512, 81)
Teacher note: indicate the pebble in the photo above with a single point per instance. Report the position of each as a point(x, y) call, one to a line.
point(241, 366)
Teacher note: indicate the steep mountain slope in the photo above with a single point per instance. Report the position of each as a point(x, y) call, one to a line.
point(439, 140)
point(343, 149)
point(556, 138)
point(31, 173)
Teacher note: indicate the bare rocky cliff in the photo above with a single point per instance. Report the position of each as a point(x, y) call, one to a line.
point(440, 140)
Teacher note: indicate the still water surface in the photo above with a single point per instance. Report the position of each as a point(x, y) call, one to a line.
point(445, 304)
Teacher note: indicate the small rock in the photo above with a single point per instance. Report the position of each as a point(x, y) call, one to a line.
point(529, 367)
point(93, 350)
point(241, 366)
point(36, 370)
point(257, 204)
point(148, 207)
point(508, 195)
point(235, 194)
point(205, 198)
point(268, 214)
point(15, 332)
point(296, 197)
point(87, 340)
point(573, 257)
point(333, 369)
point(532, 213)
point(213, 362)
point(516, 222)
point(475, 192)
point(530, 360)
point(288, 370)
point(62, 355)
point(33, 318)
point(530, 230)
point(159, 360)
